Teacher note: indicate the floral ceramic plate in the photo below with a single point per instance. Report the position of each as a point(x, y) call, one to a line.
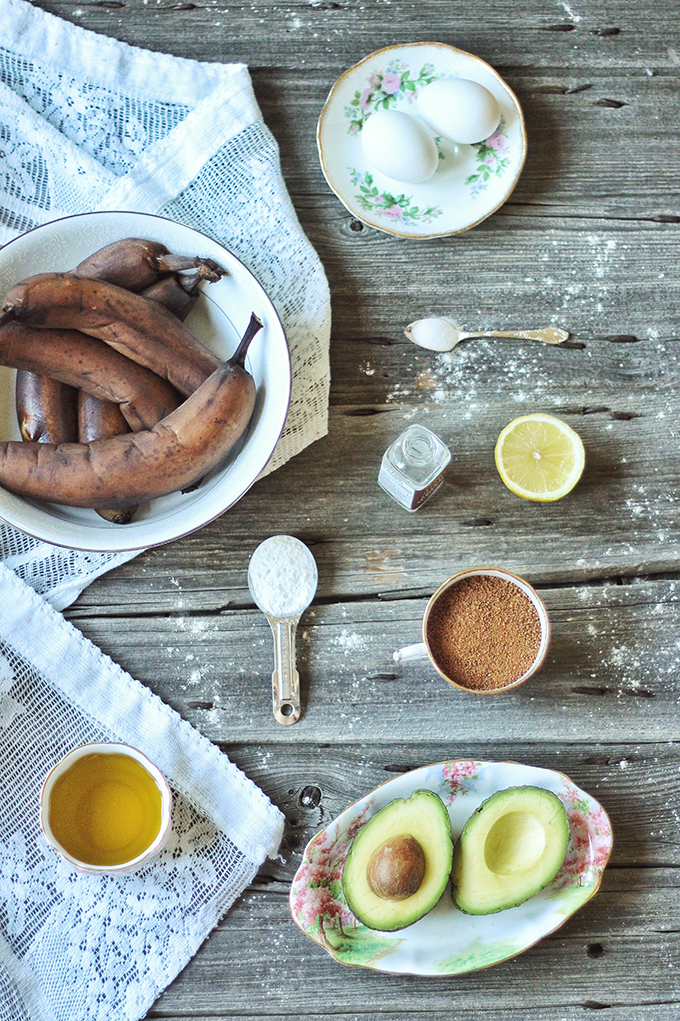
point(471, 182)
point(446, 941)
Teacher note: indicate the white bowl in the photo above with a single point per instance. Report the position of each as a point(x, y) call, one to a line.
point(100, 748)
point(219, 319)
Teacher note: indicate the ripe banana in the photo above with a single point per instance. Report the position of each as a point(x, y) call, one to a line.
point(88, 364)
point(46, 409)
point(99, 420)
point(136, 467)
point(135, 263)
point(133, 325)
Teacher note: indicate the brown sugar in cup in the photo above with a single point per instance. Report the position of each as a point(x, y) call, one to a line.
point(486, 630)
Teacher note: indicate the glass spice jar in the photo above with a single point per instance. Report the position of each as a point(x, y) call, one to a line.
point(413, 467)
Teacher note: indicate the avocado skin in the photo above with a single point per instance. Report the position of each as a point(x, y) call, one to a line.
point(542, 871)
point(402, 816)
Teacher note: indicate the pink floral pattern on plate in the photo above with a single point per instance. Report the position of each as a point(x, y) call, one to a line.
point(317, 901)
point(590, 840)
point(433, 945)
point(316, 897)
point(383, 89)
point(457, 777)
point(492, 158)
point(397, 208)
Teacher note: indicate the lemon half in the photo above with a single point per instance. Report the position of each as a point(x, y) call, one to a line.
point(539, 457)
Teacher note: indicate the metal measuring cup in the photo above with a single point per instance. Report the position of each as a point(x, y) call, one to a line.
point(282, 578)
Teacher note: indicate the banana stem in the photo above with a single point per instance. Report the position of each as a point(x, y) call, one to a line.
point(239, 355)
point(207, 268)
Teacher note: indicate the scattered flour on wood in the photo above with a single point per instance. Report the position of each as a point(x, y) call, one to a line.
point(350, 641)
point(455, 376)
point(195, 625)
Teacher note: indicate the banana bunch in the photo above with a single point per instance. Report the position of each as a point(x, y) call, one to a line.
point(118, 402)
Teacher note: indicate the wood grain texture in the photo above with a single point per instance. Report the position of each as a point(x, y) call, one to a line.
point(628, 1012)
point(585, 965)
point(590, 241)
point(304, 34)
point(637, 784)
point(611, 673)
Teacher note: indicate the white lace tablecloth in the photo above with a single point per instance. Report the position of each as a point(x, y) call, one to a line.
point(90, 948)
point(89, 123)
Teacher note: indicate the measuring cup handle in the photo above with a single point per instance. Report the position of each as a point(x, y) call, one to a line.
point(410, 652)
point(285, 679)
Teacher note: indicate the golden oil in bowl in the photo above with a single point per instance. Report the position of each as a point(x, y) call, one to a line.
point(105, 808)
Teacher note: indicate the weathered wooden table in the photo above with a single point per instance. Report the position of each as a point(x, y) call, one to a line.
point(589, 240)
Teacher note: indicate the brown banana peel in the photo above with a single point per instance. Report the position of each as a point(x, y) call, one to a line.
point(136, 263)
point(46, 409)
point(137, 467)
point(88, 364)
point(135, 326)
point(99, 420)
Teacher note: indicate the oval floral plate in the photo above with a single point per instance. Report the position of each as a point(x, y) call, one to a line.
point(446, 941)
point(471, 182)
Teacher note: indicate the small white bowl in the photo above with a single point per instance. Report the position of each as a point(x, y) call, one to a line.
point(219, 319)
point(106, 749)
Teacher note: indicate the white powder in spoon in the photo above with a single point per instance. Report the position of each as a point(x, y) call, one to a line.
point(282, 576)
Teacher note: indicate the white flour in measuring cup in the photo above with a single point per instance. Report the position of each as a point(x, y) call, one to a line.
point(282, 576)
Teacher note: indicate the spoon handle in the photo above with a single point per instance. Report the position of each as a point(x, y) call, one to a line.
point(285, 679)
point(550, 335)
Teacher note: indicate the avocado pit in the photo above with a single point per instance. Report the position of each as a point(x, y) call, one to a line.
point(396, 869)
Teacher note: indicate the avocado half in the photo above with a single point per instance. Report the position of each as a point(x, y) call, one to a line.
point(510, 848)
point(405, 851)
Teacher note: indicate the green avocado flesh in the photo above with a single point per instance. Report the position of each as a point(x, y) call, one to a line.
point(385, 842)
point(511, 848)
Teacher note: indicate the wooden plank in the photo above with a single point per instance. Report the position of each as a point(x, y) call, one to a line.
point(611, 674)
point(637, 784)
point(629, 1012)
point(300, 33)
point(598, 280)
point(615, 912)
point(240, 978)
point(622, 518)
point(259, 961)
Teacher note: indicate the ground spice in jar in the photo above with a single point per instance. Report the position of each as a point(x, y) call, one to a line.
point(484, 632)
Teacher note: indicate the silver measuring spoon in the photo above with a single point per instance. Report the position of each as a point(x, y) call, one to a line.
point(441, 335)
point(282, 578)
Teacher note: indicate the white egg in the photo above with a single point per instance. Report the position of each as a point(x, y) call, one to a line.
point(460, 110)
point(399, 146)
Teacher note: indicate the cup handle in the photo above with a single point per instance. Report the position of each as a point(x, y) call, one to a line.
point(409, 652)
